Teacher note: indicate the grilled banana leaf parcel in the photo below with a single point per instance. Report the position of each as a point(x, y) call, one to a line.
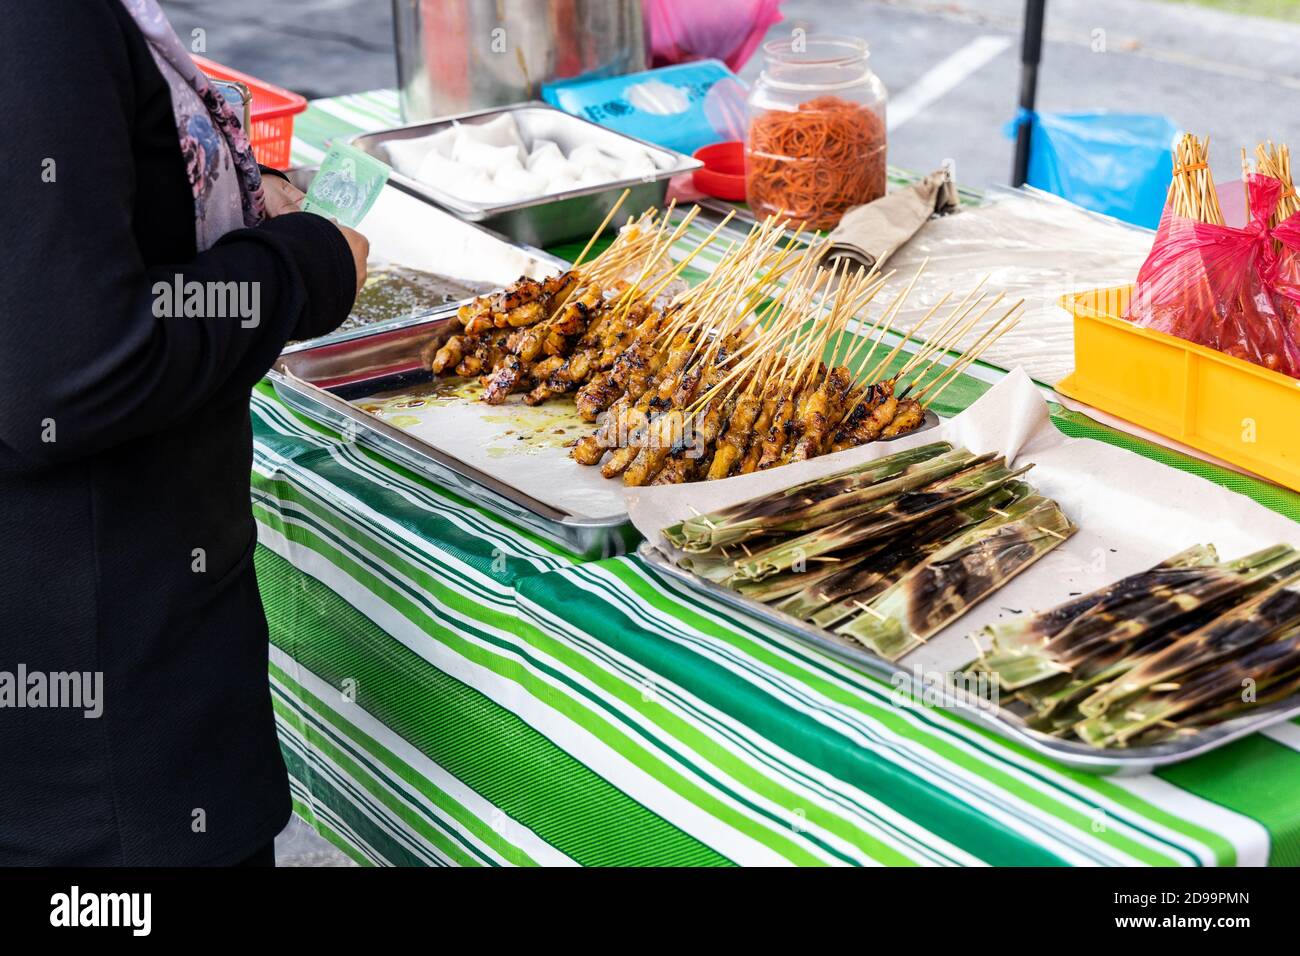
point(958, 576)
point(1247, 624)
point(1134, 612)
point(1029, 631)
point(908, 510)
point(784, 510)
point(1260, 668)
point(822, 501)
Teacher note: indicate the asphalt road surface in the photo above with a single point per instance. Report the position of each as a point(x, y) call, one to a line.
point(952, 67)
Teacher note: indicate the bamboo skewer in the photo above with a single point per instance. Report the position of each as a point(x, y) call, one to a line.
point(931, 354)
point(996, 331)
point(601, 228)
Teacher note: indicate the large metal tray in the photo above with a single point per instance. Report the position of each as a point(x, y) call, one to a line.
point(405, 231)
point(1117, 762)
point(319, 379)
point(558, 217)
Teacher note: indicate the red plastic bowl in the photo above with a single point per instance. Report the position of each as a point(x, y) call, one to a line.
point(723, 172)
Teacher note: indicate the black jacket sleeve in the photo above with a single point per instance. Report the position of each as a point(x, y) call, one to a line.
point(80, 344)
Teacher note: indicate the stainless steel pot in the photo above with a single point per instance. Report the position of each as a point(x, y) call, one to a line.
point(460, 55)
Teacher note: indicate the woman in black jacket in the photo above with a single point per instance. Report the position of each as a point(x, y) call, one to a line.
point(126, 538)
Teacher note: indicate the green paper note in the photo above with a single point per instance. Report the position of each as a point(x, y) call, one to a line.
point(347, 185)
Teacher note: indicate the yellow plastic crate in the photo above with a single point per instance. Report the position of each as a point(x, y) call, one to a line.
point(1230, 408)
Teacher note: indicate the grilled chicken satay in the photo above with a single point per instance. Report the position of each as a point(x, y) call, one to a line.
point(510, 376)
point(824, 406)
point(517, 372)
point(528, 301)
point(551, 335)
point(688, 460)
point(677, 470)
point(546, 368)
point(778, 432)
point(798, 422)
point(438, 358)
point(487, 352)
point(881, 407)
point(589, 363)
point(633, 427)
point(640, 368)
point(909, 417)
point(661, 436)
point(858, 404)
point(626, 404)
point(483, 313)
point(568, 373)
point(667, 433)
point(762, 425)
point(598, 394)
point(491, 311)
point(735, 440)
point(630, 364)
point(476, 316)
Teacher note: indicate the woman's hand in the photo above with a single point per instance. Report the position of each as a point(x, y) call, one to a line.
point(281, 196)
point(360, 247)
point(284, 197)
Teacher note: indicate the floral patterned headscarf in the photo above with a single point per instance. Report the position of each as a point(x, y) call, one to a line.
point(219, 162)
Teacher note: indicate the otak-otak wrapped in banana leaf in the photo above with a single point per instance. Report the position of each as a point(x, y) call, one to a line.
point(1136, 610)
point(830, 601)
point(823, 499)
point(1158, 653)
point(1263, 615)
point(1262, 666)
point(983, 476)
point(957, 576)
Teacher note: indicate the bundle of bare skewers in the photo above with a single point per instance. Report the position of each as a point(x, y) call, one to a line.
point(755, 366)
point(1224, 287)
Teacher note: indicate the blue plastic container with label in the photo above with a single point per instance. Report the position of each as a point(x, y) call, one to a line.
point(666, 106)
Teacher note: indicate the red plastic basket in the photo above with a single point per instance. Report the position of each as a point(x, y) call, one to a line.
point(273, 110)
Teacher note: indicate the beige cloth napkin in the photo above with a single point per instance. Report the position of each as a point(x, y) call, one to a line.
point(870, 234)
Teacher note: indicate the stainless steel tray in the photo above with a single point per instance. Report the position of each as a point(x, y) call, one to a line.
point(1118, 762)
point(405, 231)
point(313, 378)
point(547, 219)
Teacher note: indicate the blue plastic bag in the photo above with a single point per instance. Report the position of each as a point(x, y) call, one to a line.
point(1119, 164)
point(663, 106)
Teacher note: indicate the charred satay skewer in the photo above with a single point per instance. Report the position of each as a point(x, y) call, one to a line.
point(740, 430)
point(623, 423)
point(823, 408)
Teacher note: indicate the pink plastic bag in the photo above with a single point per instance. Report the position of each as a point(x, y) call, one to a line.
point(726, 30)
point(1234, 290)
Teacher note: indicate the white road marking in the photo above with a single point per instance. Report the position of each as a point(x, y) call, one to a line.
point(944, 76)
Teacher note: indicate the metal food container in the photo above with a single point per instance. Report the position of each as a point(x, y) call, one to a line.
point(404, 231)
point(553, 218)
point(456, 55)
point(321, 379)
point(1114, 761)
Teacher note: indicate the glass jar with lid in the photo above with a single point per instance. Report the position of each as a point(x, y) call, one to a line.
point(815, 146)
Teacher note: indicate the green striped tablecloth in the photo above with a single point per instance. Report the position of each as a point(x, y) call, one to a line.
point(453, 690)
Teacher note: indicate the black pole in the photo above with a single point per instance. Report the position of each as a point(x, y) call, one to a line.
point(1031, 51)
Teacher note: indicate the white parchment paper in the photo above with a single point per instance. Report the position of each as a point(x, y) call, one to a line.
point(1032, 246)
point(1132, 512)
point(527, 448)
point(407, 231)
